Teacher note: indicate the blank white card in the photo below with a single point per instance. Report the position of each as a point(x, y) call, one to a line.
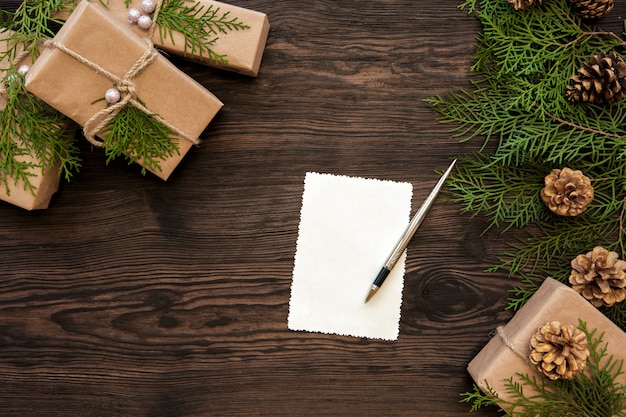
point(348, 228)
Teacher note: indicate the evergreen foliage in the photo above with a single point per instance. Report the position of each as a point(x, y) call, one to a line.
point(31, 128)
point(33, 22)
point(200, 27)
point(516, 108)
point(139, 137)
point(28, 126)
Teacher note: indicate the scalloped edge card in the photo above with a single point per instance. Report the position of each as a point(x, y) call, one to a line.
point(348, 227)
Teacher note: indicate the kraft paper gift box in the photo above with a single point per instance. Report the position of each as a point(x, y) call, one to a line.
point(76, 89)
point(44, 183)
point(497, 362)
point(243, 48)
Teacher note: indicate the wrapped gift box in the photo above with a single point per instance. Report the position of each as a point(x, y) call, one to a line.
point(76, 90)
point(44, 184)
point(497, 362)
point(243, 48)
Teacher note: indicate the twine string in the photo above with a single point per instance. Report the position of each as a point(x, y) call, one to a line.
point(155, 15)
point(127, 89)
point(500, 332)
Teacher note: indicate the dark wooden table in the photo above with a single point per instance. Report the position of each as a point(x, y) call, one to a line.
point(131, 296)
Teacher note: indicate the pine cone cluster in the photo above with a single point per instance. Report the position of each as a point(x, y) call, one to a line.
point(602, 80)
point(559, 351)
point(600, 277)
point(522, 4)
point(567, 192)
point(592, 9)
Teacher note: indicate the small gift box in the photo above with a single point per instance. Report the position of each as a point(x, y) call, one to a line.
point(235, 35)
point(506, 354)
point(44, 185)
point(28, 182)
point(93, 55)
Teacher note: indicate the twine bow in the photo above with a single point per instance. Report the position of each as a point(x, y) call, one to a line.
point(127, 89)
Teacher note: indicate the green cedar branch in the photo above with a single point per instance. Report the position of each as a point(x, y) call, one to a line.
point(7, 19)
point(33, 23)
point(199, 25)
point(517, 109)
point(30, 128)
point(139, 137)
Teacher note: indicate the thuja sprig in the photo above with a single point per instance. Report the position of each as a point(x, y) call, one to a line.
point(522, 63)
point(544, 244)
point(34, 22)
point(33, 137)
point(529, 285)
point(508, 196)
point(516, 107)
point(7, 19)
point(536, 50)
point(139, 137)
point(593, 393)
point(492, 114)
point(199, 25)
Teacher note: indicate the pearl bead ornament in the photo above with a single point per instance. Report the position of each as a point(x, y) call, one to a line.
point(23, 69)
point(147, 6)
point(144, 22)
point(133, 15)
point(112, 95)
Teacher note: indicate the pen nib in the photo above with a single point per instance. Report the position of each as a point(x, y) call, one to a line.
point(371, 293)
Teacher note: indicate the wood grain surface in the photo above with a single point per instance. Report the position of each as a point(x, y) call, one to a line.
point(131, 296)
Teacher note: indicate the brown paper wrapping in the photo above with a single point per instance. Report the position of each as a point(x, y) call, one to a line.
point(497, 362)
point(72, 87)
point(243, 48)
point(45, 183)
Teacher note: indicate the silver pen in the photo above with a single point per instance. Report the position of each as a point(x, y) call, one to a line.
point(408, 234)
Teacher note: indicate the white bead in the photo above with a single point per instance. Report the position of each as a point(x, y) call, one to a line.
point(147, 6)
point(22, 70)
point(133, 15)
point(112, 95)
point(144, 22)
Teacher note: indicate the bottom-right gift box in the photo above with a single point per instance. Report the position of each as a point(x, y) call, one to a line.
point(498, 367)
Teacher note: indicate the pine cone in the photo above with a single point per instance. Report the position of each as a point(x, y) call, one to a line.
point(592, 9)
point(567, 192)
point(559, 351)
point(522, 4)
point(600, 277)
point(602, 80)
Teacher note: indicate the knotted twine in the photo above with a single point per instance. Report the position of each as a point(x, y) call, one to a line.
point(126, 87)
